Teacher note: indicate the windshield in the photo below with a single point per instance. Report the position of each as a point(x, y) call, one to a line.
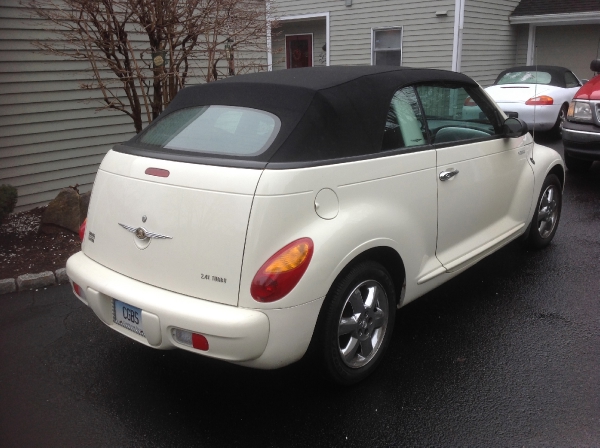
point(525, 77)
point(223, 130)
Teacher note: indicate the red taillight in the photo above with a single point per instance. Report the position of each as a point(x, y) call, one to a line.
point(199, 342)
point(77, 289)
point(159, 172)
point(542, 100)
point(469, 102)
point(282, 272)
point(82, 229)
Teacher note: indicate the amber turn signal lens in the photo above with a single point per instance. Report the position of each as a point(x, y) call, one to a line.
point(282, 272)
point(542, 100)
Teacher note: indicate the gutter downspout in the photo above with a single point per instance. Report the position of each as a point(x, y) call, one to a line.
point(269, 39)
point(459, 19)
point(531, 45)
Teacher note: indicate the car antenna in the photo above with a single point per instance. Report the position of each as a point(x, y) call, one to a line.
point(535, 96)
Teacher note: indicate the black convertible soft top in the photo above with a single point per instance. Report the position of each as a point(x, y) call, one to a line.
point(326, 113)
point(557, 73)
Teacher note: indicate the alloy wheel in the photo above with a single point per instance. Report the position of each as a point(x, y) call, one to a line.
point(548, 211)
point(362, 324)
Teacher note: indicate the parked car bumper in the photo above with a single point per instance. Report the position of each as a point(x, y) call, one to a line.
point(545, 116)
point(582, 140)
point(234, 334)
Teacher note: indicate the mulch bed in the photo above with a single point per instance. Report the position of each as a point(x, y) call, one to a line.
point(25, 250)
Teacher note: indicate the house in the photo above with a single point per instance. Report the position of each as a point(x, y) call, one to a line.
point(477, 37)
point(52, 136)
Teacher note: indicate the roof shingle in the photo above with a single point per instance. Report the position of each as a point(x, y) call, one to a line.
point(539, 7)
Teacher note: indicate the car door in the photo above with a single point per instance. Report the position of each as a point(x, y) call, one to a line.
point(485, 183)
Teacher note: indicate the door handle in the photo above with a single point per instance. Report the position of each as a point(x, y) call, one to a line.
point(447, 175)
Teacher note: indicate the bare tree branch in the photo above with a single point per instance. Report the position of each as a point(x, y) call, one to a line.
point(142, 52)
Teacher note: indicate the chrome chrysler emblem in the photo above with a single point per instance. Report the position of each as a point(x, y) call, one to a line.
point(143, 234)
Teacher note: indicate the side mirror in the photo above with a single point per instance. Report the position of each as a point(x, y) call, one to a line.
point(514, 127)
point(595, 65)
point(583, 81)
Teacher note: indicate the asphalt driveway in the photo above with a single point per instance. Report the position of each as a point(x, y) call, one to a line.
point(506, 354)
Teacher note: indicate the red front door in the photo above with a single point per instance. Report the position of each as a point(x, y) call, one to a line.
point(298, 51)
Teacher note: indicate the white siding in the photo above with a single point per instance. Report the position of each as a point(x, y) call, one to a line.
point(51, 133)
point(489, 42)
point(427, 38)
point(522, 42)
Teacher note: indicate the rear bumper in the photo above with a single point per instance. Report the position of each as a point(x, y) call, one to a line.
point(545, 116)
point(234, 334)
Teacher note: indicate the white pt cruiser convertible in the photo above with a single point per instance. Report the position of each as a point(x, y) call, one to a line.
point(266, 213)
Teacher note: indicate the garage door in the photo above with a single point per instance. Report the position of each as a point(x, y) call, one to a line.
point(571, 46)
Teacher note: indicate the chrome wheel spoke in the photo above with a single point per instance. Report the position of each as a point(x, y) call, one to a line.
point(543, 215)
point(349, 352)
point(378, 319)
point(366, 347)
point(357, 303)
point(372, 292)
point(347, 325)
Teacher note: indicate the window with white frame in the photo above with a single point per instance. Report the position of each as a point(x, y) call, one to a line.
point(387, 46)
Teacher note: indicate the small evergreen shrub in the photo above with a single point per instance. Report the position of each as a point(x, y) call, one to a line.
point(8, 200)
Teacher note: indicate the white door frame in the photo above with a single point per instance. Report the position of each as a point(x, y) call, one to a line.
point(291, 19)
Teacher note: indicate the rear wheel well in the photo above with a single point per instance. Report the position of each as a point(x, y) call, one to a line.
point(389, 259)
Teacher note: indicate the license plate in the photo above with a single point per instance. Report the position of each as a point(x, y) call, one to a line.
point(128, 317)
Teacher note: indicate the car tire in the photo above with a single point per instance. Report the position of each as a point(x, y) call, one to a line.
point(562, 116)
point(577, 165)
point(547, 213)
point(356, 323)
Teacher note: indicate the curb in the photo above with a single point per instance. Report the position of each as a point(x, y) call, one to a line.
point(27, 282)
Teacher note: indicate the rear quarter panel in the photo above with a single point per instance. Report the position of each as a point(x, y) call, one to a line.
point(389, 201)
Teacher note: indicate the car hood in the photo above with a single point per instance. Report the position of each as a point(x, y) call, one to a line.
point(517, 93)
point(590, 90)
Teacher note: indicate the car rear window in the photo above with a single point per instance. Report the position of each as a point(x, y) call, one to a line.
point(526, 77)
point(221, 130)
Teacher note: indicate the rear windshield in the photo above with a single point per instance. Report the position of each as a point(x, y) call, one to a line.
point(221, 130)
point(526, 77)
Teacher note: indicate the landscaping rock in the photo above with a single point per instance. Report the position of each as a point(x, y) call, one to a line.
point(84, 203)
point(7, 285)
point(61, 276)
point(35, 281)
point(63, 211)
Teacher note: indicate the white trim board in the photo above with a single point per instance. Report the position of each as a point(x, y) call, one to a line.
point(459, 20)
point(299, 18)
point(576, 18)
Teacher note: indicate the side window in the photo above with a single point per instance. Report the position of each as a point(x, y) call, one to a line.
point(457, 113)
point(571, 80)
point(404, 126)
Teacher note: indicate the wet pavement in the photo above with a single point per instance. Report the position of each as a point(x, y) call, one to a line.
point(505, 354)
